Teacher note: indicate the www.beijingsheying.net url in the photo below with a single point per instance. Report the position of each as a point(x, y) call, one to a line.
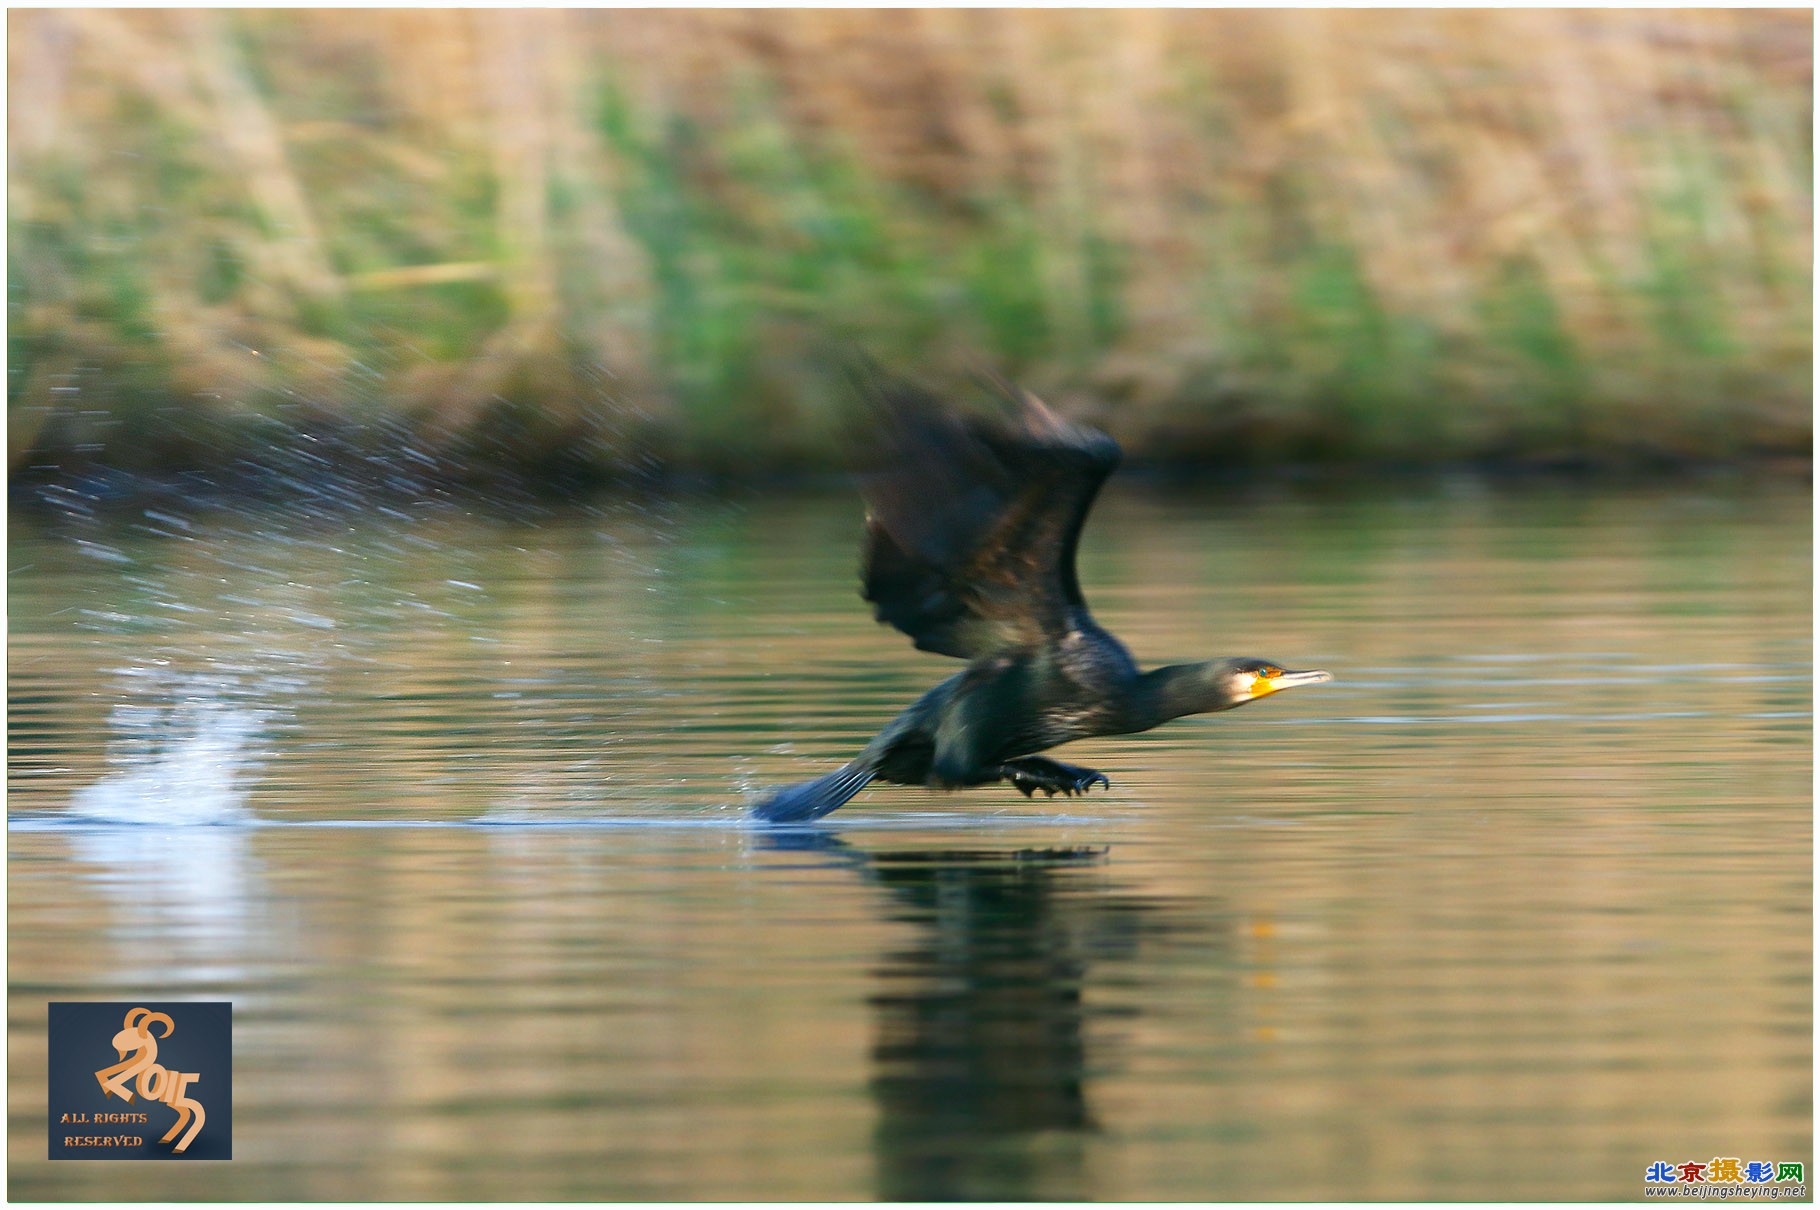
point(1729, 1192)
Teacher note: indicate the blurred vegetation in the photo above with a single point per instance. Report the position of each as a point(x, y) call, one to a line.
point(584, 240)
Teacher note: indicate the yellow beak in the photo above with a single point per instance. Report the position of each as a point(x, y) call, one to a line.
point(1289, 680)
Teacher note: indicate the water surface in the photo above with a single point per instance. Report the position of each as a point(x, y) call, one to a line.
point(449, 805)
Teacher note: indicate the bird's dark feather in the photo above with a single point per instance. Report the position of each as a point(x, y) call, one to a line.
point(972, 522)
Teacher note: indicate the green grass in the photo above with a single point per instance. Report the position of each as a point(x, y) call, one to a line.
point(690, 259)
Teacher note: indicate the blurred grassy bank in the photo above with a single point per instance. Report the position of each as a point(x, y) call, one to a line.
point(590, 239)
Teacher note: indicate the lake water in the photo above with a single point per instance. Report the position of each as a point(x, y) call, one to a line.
point(449, 805)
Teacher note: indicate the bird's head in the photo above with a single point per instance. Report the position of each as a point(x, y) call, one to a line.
point(1244, 679)
point(1181, 689)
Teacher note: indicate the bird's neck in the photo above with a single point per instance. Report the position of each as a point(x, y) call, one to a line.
point(1176, 690)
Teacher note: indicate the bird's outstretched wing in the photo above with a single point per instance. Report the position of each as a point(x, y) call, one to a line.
point(972, 522)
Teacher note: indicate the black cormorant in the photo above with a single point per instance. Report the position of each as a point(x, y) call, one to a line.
point(971, 530)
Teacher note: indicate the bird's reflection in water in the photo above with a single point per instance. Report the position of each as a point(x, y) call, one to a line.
point(983, 1043)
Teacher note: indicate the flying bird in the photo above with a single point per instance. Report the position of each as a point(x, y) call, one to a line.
point(971, 528)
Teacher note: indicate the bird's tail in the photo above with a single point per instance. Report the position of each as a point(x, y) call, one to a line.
point(813, 799)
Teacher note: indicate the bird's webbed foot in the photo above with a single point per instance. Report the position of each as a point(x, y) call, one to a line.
point(1032, 773)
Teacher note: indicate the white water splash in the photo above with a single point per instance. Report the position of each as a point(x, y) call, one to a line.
point(184, 763)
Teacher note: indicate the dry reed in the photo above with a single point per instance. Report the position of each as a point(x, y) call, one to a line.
point(1232, 235)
